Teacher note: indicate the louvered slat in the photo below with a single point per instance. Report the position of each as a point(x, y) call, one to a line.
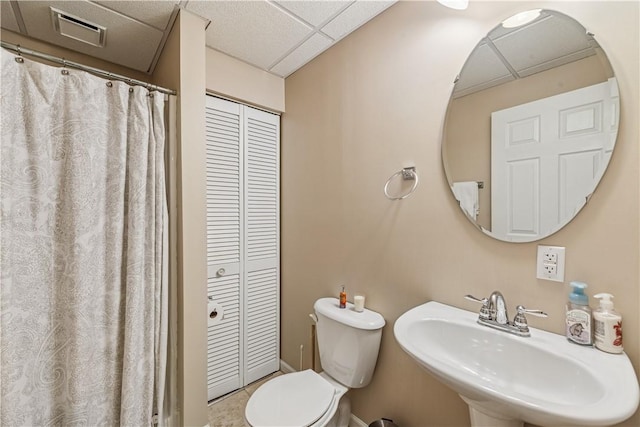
point(223, 133)
point(223, 339)
point(262, 188)
point(262, 318)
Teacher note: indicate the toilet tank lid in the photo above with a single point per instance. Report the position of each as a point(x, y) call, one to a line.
point(367, 319)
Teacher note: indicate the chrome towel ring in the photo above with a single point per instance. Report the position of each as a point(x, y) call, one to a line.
point(408, 174)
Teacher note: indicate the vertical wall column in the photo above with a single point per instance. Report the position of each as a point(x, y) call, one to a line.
point(182, 67)
point(192, 276)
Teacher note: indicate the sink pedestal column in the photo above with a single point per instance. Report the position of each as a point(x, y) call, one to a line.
point(481, 417)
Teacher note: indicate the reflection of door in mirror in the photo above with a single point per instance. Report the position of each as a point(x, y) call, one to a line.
point(549, 56)
point(468, 128)
point(545, 156)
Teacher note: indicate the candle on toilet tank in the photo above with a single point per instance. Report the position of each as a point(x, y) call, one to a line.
point(358, 302)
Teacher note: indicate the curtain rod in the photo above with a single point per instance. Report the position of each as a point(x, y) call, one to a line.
point(96, 71)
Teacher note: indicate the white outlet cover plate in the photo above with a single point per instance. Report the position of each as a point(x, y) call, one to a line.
point(558, 251)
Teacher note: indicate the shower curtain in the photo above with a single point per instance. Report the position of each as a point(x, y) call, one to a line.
point(83, 255)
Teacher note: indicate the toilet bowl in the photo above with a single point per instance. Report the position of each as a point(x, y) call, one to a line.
point(348, 342)
point(299, 399)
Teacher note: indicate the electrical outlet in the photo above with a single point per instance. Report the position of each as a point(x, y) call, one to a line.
point(549, 257)
point(550, 263)
point(549, 270)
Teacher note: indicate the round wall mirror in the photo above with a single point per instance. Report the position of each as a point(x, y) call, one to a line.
point(530, 127)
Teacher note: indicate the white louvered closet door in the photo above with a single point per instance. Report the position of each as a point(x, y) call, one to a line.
point(262, 225)
point(243, 232)
point(224, 234)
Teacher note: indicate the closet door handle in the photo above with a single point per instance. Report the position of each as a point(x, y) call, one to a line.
point(220, 272)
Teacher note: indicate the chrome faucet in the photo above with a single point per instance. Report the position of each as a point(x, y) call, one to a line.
point(493, 314)
point(498, 308)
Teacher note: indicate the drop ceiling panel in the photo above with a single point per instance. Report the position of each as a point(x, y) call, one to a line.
point(315, 12)
point(277, 36)
point(121, 31)
point(259, 33)
point(353, 17)
point(156, 13)
point(8, 17)
point(544, 41)
point(303, 54)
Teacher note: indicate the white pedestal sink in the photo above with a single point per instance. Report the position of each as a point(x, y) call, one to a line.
point(506, 379)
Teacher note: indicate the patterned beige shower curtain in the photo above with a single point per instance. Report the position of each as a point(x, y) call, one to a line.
point(83, 226)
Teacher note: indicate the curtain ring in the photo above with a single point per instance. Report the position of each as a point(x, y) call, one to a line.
point(19, 59)
point(109, 84)
point(64, 67)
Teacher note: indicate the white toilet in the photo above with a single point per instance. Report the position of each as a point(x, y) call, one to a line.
point(348, 342)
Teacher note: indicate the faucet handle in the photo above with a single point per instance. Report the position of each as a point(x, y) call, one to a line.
point(485, 313)
point(520, 321)
point(521, 310)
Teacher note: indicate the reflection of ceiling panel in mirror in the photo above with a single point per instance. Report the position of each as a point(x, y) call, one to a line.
point(486, 70)
point(466, 146)
point(510, 53)
point(547, 42)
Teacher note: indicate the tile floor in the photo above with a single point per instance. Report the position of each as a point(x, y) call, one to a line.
point(228, 410)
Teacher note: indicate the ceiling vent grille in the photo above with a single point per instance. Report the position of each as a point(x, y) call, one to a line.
point(78, 28)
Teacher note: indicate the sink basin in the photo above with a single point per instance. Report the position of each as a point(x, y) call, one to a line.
point(506, 379)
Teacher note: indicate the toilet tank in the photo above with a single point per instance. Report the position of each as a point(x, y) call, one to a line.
point(348, 341)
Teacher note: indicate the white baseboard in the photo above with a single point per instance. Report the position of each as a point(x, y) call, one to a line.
point(285, 367)
point(356, 422)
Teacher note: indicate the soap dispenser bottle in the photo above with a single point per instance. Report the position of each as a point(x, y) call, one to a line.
point(579, 325)
point(607, 325)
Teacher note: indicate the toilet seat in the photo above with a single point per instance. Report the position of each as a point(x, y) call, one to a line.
point(296, 399)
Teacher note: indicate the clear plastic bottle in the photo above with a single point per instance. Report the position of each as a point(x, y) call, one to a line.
point(579, 317)
point(607, 325)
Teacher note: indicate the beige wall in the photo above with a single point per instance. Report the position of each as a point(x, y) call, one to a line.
point(375, 101)
point(238, 80)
